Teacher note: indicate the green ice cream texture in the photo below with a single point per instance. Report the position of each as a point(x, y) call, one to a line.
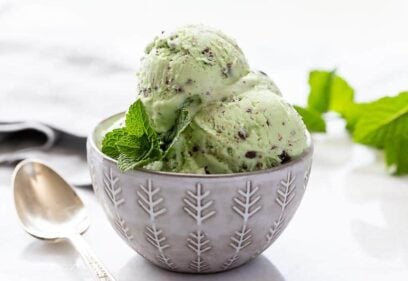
point(240, 122)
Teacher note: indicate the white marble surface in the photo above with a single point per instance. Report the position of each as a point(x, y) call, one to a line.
point(71, 63)
point(351, 225)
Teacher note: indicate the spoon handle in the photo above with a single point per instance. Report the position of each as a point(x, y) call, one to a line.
point(99, 271)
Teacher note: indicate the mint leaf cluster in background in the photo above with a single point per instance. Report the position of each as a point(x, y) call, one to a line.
point(313, 119)
point(381, 123)
point(384, 124)
point(328, 92)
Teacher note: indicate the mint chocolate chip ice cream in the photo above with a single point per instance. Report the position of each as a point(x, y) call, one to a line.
point(211, 112)
point(193, 61)
point(241, 122)
point(254, 130)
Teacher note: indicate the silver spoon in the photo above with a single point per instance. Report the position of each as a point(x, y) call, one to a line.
point(49, 208)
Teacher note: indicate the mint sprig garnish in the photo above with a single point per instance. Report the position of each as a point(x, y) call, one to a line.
point(137, 143)
point(381, 124)
point(142, 145)
point(109, 146)
point(313, 119)
point(328, 92)
point(137, 122)
point(384, 125)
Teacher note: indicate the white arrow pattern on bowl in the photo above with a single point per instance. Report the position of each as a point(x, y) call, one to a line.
point(154, 235)
point(197, 207)
point(114, 192)
point(245, 206)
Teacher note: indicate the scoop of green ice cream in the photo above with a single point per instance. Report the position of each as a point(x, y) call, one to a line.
point(193, 62)
point(254, 130)
point(239, 123)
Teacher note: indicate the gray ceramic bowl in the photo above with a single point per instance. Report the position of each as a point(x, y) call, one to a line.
point(197, 223)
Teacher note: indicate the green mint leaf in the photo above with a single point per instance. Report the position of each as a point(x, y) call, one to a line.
point(142, 145)
point(384, 124)
point(396, 154)
point(352, 114)
point(169, 138)
point(379, 115)
point(319, 95)
point(137, 122)
point(341, 94)
point(328, 91)
point(109, 142)
point(313, 120)
point(155, 153)
point(182, 123)
point(128, 161)
point(133, 145)
point(185, 116)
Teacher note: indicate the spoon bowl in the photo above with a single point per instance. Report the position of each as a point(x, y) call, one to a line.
point(46, 204)
point(49, 208)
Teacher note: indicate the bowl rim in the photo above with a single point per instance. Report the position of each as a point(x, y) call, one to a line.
point(305, 154)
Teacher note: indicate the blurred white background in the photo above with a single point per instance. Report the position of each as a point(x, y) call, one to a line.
point(79, 58)
point(71, 63)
